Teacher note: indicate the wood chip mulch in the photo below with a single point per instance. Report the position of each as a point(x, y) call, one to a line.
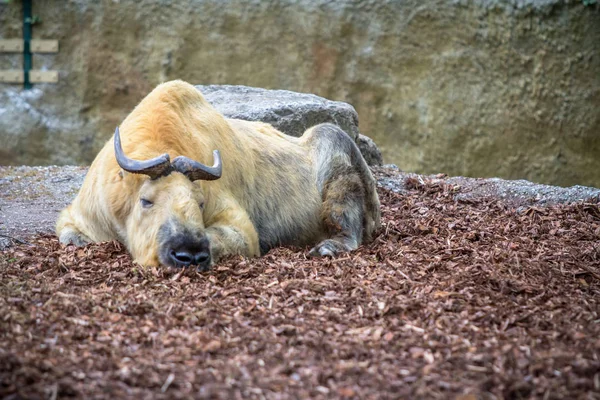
point(459, 300)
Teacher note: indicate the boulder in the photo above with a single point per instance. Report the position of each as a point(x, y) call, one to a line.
point(290, 112)
point(369, 150)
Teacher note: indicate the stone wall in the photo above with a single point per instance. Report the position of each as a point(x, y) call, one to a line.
point(506, 88)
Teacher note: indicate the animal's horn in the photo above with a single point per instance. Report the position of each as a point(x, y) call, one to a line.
point(154, 168)
point(197, 171)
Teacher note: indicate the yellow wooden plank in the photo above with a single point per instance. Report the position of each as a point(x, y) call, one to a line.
point(11, 76)
point(36, 76)
point(11, 46)
point(44, 46)
point(36, 46)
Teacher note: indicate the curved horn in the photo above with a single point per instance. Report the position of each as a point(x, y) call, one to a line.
point(154, 168)
point(197, 171)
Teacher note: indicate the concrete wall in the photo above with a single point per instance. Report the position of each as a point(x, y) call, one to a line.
point(475, 88)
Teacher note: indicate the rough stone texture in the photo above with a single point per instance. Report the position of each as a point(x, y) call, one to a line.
point(290, 112)
point(369, 150)
point(515, 193)
point(32, 197)
point(504, 88)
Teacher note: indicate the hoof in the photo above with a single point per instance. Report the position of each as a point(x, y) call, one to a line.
point(329, 248)
point(69, 236)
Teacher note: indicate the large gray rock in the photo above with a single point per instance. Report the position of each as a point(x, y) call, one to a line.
point(290, 112)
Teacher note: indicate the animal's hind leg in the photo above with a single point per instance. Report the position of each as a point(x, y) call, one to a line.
point(350, 210)
point(342, 212)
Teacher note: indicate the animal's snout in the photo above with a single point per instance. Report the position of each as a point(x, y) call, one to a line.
point(185, 258)
point(182, 247)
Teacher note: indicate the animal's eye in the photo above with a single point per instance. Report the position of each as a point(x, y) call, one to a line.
point(202, 205)
point(146, 203)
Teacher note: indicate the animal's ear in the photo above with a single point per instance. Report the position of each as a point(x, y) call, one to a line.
point(122, 174)
point(118, 176)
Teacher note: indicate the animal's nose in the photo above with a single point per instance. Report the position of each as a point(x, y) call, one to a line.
point(184, 258)
point(202, 258)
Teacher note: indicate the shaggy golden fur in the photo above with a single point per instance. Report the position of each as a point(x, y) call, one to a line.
point(274, 190)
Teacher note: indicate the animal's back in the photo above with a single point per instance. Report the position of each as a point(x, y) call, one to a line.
point(281, 193)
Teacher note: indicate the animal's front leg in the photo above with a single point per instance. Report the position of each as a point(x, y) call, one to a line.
point(232, 233)
point(68, 231)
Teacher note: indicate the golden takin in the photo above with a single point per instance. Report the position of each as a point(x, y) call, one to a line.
point(264, 189)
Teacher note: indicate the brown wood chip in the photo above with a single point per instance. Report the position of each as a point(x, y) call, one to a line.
point(463, 300)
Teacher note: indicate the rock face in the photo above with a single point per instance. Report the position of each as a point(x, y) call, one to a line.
point(469, 87)
point(290, 112)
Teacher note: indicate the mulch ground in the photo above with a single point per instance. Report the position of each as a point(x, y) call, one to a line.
point(461, 300)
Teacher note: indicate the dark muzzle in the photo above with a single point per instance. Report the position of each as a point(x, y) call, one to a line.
point(180, 248)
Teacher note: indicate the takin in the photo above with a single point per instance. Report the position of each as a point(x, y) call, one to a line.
point(265, 188)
